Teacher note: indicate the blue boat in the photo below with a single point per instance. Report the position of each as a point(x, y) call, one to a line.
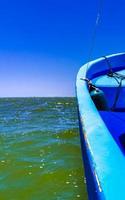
point(100, 88)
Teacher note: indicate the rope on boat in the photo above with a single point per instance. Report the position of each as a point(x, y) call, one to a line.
point(119, 78)
point(91, 86)
point(109, 64)
point(117, 95)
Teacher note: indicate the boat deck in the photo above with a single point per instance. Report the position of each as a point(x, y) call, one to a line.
point(115, 122)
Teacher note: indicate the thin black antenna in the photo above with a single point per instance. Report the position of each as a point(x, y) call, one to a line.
point(98, 20)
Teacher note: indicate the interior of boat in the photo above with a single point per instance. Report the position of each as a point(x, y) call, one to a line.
point(108, 94)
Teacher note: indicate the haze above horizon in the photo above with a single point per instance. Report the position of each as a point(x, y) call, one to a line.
point(44, 43)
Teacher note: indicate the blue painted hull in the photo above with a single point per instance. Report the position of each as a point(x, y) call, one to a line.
point(103, 155)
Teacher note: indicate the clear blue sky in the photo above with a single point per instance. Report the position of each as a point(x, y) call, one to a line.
point(43, 43)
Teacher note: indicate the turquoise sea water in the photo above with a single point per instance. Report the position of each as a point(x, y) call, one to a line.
point(40, 156)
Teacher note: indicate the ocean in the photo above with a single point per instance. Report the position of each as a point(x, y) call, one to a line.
point(40, 154)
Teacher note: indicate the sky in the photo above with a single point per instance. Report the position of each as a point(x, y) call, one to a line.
point(43, 43)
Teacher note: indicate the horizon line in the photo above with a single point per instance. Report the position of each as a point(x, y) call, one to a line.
point(37, 97)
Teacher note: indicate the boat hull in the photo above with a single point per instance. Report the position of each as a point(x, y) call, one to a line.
point(104, 162)
point(90, 179)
